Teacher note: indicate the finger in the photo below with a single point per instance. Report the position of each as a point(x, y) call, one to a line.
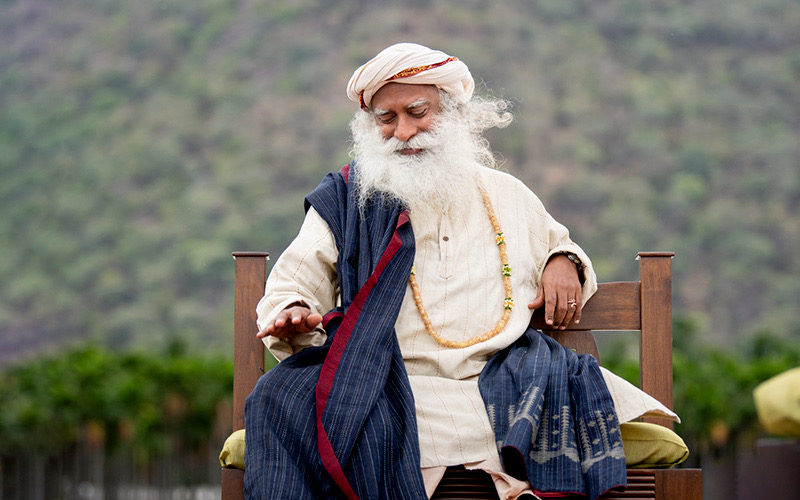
point(573, 315)
point(284, 324)
point(569, 302)
point(276, 328)
point(538, 301)
point(551, 309)
point(312, 321)
point(576, 318)
point(559, 312)
point(569, 313)
point(280, 320)
point(308, 323)
point(299, 315)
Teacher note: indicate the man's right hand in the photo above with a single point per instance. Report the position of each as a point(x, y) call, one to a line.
point(290, 322)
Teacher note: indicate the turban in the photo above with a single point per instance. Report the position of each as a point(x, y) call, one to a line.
point(410, 63)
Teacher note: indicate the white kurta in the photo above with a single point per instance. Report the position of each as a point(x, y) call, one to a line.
point(458, 271)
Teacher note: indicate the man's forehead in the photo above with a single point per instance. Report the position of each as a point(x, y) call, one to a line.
point(419, 103)
point(404, 95)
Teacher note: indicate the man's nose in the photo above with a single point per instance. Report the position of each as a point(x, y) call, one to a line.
point(405, 130)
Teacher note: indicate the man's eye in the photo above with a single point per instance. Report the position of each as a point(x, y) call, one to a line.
point(418, 113)
point(385, 119)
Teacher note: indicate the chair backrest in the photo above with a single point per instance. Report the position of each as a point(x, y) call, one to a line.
point(644, 306)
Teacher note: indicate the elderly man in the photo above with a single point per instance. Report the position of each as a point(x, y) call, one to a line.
point(396, 314)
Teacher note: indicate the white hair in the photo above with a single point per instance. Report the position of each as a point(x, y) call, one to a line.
point(441, 176)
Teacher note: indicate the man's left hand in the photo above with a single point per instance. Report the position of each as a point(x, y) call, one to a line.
point(560, 293)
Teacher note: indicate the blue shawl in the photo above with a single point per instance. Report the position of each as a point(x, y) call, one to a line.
point(338, 421)
point(553, 417)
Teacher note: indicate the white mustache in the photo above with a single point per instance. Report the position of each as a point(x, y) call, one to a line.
point(422, 140)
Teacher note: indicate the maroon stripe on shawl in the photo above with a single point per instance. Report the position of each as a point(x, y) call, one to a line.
point(329, 460)
point(334, 356)
point(345, 171)
point(331, 315)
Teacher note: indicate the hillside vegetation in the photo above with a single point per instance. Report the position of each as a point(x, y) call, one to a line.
point(143, 141)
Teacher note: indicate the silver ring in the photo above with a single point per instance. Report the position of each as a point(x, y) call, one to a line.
point(572, 303)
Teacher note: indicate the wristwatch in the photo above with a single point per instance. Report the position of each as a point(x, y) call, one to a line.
point(575, 260)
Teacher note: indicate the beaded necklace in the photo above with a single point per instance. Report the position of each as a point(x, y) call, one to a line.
point(505, 271)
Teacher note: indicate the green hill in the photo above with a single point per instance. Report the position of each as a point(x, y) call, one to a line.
point(142, 142)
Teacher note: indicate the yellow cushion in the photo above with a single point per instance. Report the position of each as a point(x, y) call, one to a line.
point(232, 454)
point(646, 446)
point(651, 446)
point(778, 403)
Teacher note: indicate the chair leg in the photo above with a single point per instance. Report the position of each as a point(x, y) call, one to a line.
point(686, 484)
point(232, 484)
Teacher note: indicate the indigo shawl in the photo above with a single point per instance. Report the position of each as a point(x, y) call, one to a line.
point(338, 421)
point(553, 417)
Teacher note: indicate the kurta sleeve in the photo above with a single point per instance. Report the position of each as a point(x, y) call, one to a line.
point(560, 243)
point(305, 273)
point(555, 236)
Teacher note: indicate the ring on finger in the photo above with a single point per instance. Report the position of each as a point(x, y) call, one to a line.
point(572, 303)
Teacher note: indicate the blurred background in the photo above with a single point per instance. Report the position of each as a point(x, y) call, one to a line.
point(141, 142)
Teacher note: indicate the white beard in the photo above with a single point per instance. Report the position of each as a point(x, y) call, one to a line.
point(438, 179)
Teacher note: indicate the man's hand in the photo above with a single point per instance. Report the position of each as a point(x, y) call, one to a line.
point(559, 293)
point(290, 322)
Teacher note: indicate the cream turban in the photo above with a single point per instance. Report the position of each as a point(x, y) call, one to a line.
point(410, 63)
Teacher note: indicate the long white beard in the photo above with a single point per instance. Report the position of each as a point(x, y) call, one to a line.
point(437, 179)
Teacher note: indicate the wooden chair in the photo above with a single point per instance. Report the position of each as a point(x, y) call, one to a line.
point(644, 306)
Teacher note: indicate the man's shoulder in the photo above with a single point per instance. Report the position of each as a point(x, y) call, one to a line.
point(330, 193)
point(504, 180)
point(498, 174)
point(511, 190)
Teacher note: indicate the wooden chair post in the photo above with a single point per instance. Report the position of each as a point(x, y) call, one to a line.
point(248, 350)
point(655, 272)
